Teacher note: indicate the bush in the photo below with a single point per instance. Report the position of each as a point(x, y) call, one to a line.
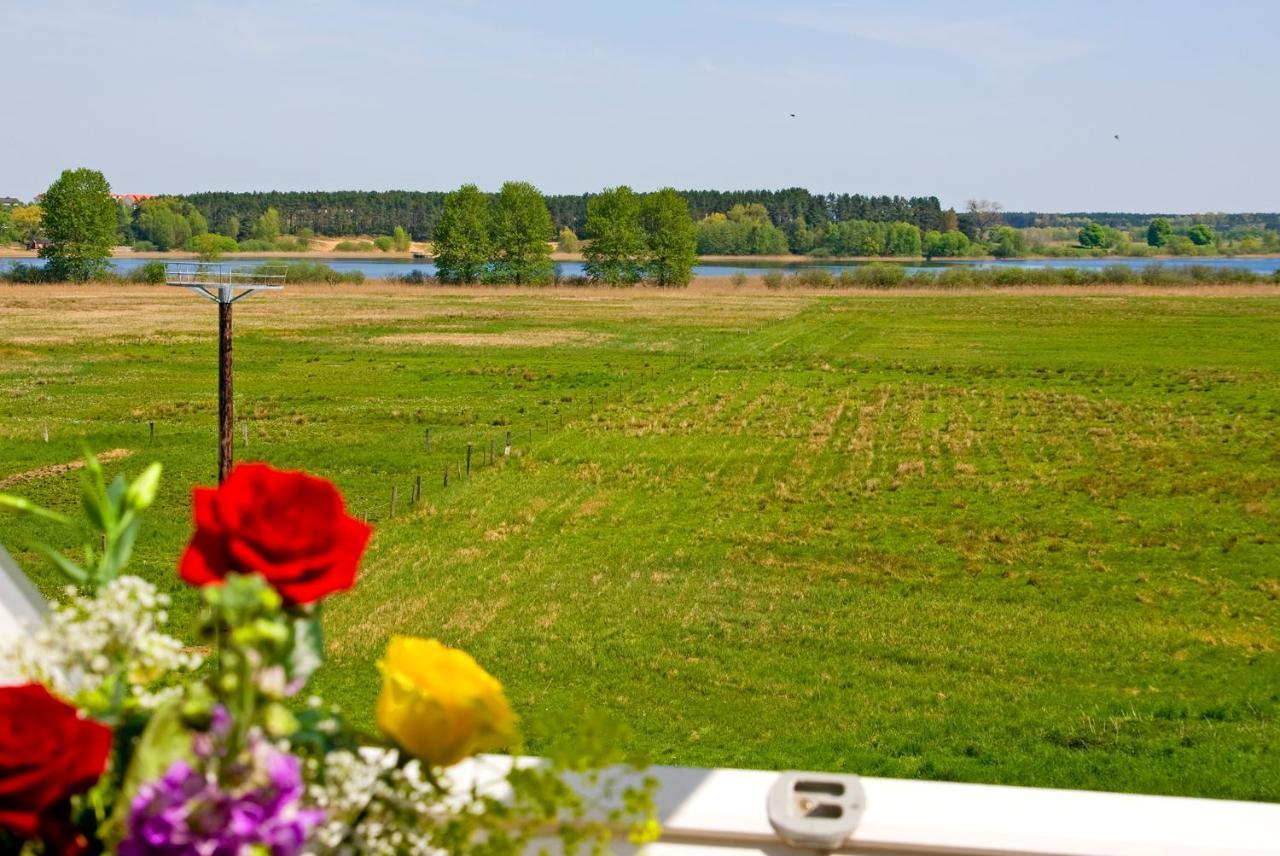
point(256, 245)
point(1120, 274)
point(814, 278)
point(773, 278)
point(152, 273)
point(304, 271)
point(354, 247)
point(24, 274)
point(384, 243)
point(144, 247)
point(878, 275)
point(414, 277)
point(739, 278)
point(957, 277)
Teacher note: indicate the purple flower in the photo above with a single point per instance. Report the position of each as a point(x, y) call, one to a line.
point(189, 813)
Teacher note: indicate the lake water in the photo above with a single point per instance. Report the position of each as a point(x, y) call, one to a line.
point(379, 269)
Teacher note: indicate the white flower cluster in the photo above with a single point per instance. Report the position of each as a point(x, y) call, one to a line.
point(372, 807)
point(106, 642)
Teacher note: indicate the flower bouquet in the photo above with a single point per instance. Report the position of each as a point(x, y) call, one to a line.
point(116, 737)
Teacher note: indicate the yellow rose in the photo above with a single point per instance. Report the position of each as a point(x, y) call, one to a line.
point(438, 704)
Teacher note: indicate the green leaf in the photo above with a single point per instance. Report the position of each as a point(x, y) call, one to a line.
point(115, 496)
point(17, 503)
point(119, 550)
point(69, 569)
point(306, 653)
point(95, 506)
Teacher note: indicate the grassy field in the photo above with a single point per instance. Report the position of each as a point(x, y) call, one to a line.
point(1027, 538)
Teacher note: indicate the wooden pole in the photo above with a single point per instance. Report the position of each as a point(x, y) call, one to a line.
point(226, 407)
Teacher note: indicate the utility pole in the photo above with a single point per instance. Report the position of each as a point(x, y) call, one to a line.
point(224, 286)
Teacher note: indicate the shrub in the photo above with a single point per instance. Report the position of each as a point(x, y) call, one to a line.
point(957, 277)
point(414, 277)
point(814, 278)
point(773, 278)
point(20, 273)
point(304, 271)
point(384, 243)
point(879, 275)
point(144, 247)
point(739, 278)
point(152, 273)
point(256, 245)
point(354, 247)
point(1119, 274)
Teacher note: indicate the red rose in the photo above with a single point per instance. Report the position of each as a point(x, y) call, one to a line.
point(289, 527)
point(47, 755)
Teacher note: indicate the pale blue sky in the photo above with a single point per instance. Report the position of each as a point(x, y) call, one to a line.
point(1014, 101)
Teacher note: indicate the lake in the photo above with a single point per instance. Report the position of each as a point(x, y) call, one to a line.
point(380, 269)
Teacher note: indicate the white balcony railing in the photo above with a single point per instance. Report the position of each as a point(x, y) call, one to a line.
point(707, 812)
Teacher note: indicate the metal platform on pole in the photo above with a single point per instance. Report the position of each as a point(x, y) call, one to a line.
point(224, 285)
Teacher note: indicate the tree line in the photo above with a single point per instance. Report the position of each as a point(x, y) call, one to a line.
point(504, 238)
point(355, 212)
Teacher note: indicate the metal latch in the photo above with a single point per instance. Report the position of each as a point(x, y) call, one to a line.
point(816, 810)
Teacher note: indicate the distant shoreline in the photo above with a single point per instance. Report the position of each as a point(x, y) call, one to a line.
point(328, 255)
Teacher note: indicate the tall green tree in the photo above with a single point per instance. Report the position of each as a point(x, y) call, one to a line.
point(157, 224)
point(618, 252)
point(1008, 243)
point(462, 248)
point(1201, 235)
point(521, 235)
point(1159, 232)
point(568, 242)
point(1093, 235)
point(902, 239)
point(670, 237)
point(268, 226)
point(25, 222)
point(400, 239)
point(80, 223)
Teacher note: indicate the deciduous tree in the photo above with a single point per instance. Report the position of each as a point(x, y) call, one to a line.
point(617, 252)
point(568, 242)
point(1159, 232)
point(670, 237)
point(462, 248)
point(268, 226)
point(80, 223)
point(1201, 235)
point(521, 235)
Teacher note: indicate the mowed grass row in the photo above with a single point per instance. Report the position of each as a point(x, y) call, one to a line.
point(1027, 539)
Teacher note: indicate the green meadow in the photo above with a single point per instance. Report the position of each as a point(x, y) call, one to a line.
point(1027, 538)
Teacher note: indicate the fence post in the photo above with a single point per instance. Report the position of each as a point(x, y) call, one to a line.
point(395, 494)
point(468, 460)
point(151, 436)
point(507, 451)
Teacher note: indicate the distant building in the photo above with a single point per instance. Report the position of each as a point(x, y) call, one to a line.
point(132, 198)
point(9, 201)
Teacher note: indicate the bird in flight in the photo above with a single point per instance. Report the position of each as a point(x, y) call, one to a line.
point(793, 115)
point(1117, 136)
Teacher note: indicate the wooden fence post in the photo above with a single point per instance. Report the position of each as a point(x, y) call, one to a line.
point(468, 460)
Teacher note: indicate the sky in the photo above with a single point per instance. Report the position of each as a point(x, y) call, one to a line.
point(1018, 102)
